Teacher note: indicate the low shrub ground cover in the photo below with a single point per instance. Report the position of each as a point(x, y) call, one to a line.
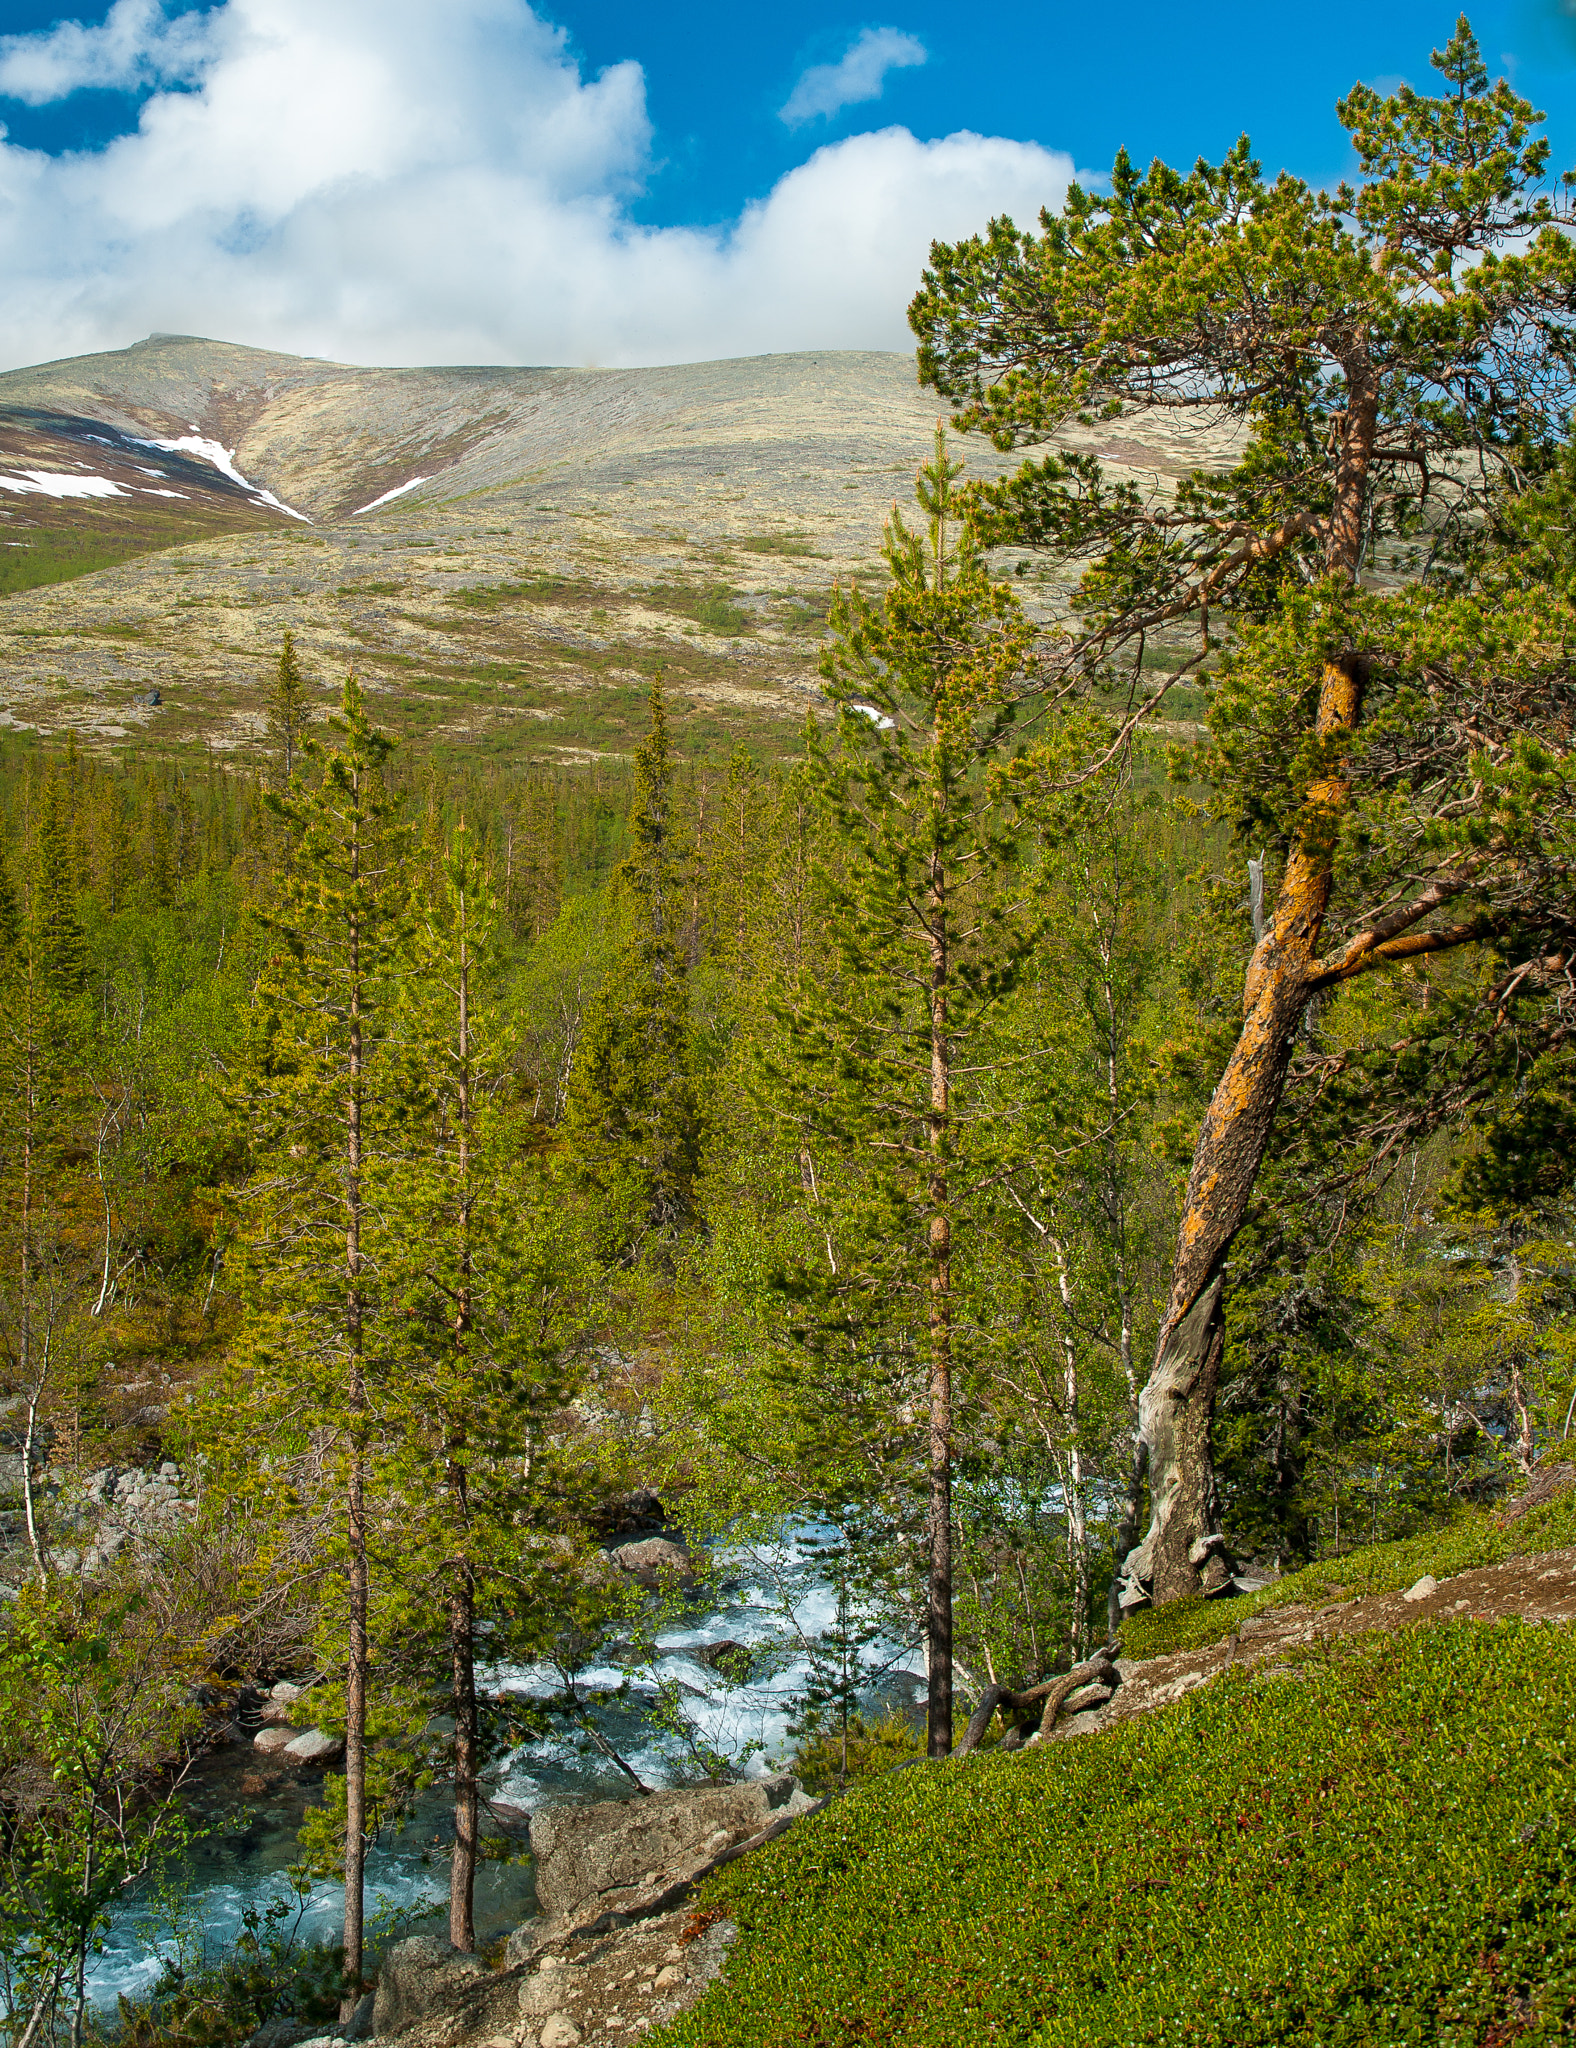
point(1380, 1849)
point(1479, 1538)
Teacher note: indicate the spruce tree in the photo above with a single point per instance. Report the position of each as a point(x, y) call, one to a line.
point(287, 704)
point(43, 1034)
point(877, 1066)
point(322, 1100)
point(491, 1287)
point(633, 1118)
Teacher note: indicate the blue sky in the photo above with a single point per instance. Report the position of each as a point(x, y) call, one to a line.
point(601, 159)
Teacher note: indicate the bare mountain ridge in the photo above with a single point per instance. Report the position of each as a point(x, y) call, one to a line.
point(504, 554)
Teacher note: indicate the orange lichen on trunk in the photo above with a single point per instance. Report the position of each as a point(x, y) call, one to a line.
point(1181, 1553)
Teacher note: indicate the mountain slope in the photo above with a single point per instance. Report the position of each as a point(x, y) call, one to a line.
point(505, 555)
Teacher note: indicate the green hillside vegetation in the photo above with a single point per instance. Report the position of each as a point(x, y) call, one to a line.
point(1379, 1849)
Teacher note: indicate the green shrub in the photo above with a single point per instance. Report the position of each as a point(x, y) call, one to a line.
point(269, 1973)
point(1476, 1539)
point(1382, 1850)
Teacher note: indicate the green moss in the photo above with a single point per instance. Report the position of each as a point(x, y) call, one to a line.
point(489, 597)
point(708, 604)
point(1382, 1850)
point(1478, 1538)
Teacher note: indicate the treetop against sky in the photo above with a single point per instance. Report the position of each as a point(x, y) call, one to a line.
point(395, 181)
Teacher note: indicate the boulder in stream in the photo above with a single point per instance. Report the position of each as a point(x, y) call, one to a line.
point(314, 1747)
point(654, 1561)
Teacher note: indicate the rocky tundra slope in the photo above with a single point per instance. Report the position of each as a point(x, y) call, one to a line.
point(505, 555)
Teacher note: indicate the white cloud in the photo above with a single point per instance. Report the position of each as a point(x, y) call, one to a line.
point(136, 46)
point(857, 77)
point(384, 181)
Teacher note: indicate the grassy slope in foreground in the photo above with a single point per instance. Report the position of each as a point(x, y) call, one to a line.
point(1479, 1537)
point(1382, 1849)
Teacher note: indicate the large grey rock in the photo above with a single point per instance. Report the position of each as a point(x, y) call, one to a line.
point(1424, 1586)
point(313, 1747)
point(416, 1976)
point(619, 1853)
point(545, 1991)
point(359, 2026)
point(524, 1943)
point(284, 2030)
point(654, 1561)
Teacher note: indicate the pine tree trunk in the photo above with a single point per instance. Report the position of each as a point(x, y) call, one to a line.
point(32, 1380)
point(938, 1611)
point(355, 1739)
point(462, 1869)
point(462, 1605)
point(1182, 1551)
point(357, 1650)
point(1077, 1518)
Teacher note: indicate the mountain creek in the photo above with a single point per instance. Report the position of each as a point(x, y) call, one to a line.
point(249, 1804)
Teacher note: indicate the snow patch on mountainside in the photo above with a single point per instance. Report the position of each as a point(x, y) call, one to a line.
point(55, 483)
point(398, 491)
point(223, 460)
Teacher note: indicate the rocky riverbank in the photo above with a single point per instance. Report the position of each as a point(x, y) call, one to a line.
point(620, 1946)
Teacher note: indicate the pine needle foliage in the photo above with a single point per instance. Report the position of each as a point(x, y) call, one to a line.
point(873, 1075)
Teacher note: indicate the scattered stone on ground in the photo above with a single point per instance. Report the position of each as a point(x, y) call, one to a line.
point(1276, 1640)
point(99, 1513)
point(580, 1990)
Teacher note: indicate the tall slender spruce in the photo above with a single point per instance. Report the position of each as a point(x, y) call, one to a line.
point(321, 1096)
point(916, 890)
point(633, 1118)
point(488, 1277)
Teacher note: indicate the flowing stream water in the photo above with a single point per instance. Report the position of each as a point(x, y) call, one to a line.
point(770, 1603)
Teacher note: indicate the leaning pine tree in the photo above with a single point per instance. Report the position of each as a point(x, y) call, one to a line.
point(876, 1071)
point(1396, 357)
point(323, 1097)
